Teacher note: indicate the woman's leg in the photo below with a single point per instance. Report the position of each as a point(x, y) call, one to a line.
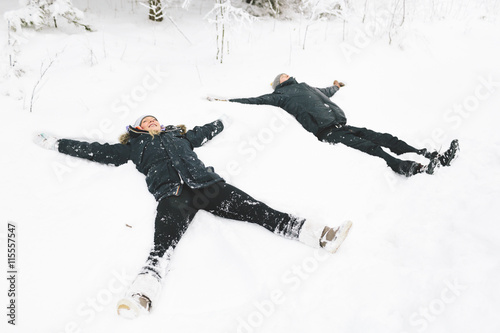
point(227, 201)
point(174, 214)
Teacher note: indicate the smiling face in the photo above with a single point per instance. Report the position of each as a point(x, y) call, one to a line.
point(150, 123)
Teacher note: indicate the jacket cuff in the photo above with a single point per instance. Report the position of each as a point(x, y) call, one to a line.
point(219, 124)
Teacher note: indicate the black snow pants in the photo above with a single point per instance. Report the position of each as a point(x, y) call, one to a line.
point(175, 213)
point(370, 142)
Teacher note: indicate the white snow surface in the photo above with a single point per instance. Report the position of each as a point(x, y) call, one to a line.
point(422, 256)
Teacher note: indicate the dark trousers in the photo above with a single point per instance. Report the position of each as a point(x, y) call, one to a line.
point(175, 213)
point(370, 142)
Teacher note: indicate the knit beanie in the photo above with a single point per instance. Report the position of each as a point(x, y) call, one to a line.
point(139, 120)
point(276, 81)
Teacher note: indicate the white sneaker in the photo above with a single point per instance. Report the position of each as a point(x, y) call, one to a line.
point(325, 237)
point(142, 294)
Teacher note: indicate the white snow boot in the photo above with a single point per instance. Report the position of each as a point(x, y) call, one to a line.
point(146, 288)
point(140, 297)
point(325, 237)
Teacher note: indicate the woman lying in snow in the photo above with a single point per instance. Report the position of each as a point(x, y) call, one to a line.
point(182, 185)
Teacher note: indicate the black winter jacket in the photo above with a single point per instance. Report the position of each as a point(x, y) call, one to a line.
point(167, 159)
point(312, 107)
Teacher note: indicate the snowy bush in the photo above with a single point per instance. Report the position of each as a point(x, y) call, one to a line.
point(38, 14)
point(309, 8)
point(317, 9)
point(225, 17)
point(29, 16)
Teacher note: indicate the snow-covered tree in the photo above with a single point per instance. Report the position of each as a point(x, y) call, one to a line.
point(308, 8)
point(317, 9)
point(264, 7)
point(225, 17)
point(38, 14)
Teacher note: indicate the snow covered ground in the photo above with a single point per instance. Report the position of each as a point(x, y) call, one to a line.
point(423, 255)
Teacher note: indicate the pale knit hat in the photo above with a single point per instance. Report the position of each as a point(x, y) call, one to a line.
point(276, 81)
point(139, 120)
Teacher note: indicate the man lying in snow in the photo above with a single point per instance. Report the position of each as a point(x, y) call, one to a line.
point(314, 110)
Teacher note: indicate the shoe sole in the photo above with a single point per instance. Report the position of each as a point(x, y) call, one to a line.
point(340, 237)
point(129, 308)
point(431, 167)
point(455, 146)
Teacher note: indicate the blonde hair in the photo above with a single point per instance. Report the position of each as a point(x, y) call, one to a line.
point(154, 132)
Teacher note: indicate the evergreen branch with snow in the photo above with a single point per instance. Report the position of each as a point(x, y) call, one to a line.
point(38, 14)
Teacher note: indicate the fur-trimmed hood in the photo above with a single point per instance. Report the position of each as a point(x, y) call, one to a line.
point(131, 131)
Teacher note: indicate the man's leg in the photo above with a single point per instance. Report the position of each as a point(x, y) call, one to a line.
point(347, 136)
point(387, 140)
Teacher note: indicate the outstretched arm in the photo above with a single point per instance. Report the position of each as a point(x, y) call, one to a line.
point(330, 91)
point(215, 99)
point(201, 134)
point(116, 154)
point(269, 99)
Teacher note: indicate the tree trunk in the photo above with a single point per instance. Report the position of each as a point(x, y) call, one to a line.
point(155, 10)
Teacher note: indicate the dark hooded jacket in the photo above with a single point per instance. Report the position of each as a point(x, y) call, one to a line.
point(167, 160)
point(311, 106)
